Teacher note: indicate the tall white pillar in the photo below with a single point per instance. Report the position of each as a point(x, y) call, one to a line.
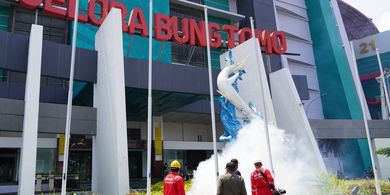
point(110, 144)
point(31, 110)
point(291, 117)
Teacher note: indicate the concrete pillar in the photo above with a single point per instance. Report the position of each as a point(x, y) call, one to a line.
point(31, 109)
point(110, 145)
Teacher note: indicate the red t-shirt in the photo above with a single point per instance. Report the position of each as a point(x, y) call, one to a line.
point(173, 184)
point(259, 184)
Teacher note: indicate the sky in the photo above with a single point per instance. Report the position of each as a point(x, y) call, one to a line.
point(378, 10)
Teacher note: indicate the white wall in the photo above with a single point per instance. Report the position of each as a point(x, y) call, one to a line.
point(292, 18)
point(192, 131)
point(293, 3)
point(173, 131)
point(294, 25)
point(313, 106)
point(304, 48)
point(180, 131)
point(384, 162)
point(186, 132)
point(16, 142)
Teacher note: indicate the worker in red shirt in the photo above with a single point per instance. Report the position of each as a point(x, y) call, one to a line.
point(262, 181)
point(173, 182)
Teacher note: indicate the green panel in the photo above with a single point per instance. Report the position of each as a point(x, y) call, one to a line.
point(371, 90)
point(216, 52)
point(84, 95)
point(364, 150)
point(220, 4)
point(45, 161)
point(215, 57)
point(335, 80)
point(2, 78)
point(334, 75)
point(77, 87)
point(133, 45)
point(352, 158)
point(4, 18)
point(369, 65)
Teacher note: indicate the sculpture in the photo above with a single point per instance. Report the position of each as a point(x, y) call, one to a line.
point(227, 82)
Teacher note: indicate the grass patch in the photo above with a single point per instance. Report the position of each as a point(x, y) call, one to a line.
point(327, 184)
point(331, 184)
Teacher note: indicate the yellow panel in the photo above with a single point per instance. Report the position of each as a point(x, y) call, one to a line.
point(158, 147)
point(61, 144)
point(157, 141)
point(157, 133)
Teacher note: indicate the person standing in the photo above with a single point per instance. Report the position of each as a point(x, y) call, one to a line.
point(235, 161)
point(165, 169)
point(173, 182)
point(230, 183)
point(185, 172)
point(262, 181)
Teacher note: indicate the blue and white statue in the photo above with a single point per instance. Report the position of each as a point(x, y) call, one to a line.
point(231, 101)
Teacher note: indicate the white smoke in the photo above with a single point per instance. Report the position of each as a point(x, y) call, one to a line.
point(295, 170)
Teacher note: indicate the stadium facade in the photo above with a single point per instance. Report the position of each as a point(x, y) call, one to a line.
point(316, 32)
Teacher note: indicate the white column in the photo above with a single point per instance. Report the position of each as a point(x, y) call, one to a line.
point(291, 117)
point(111, 137)
point(211, 89)
point(31, 110)
point(348, 50)
point(150, 102)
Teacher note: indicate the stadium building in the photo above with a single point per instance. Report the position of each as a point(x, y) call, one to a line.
point(317, 34)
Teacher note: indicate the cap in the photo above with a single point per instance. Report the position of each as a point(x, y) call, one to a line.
point(257, 162)
point(235, 161)
point(230, 165)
